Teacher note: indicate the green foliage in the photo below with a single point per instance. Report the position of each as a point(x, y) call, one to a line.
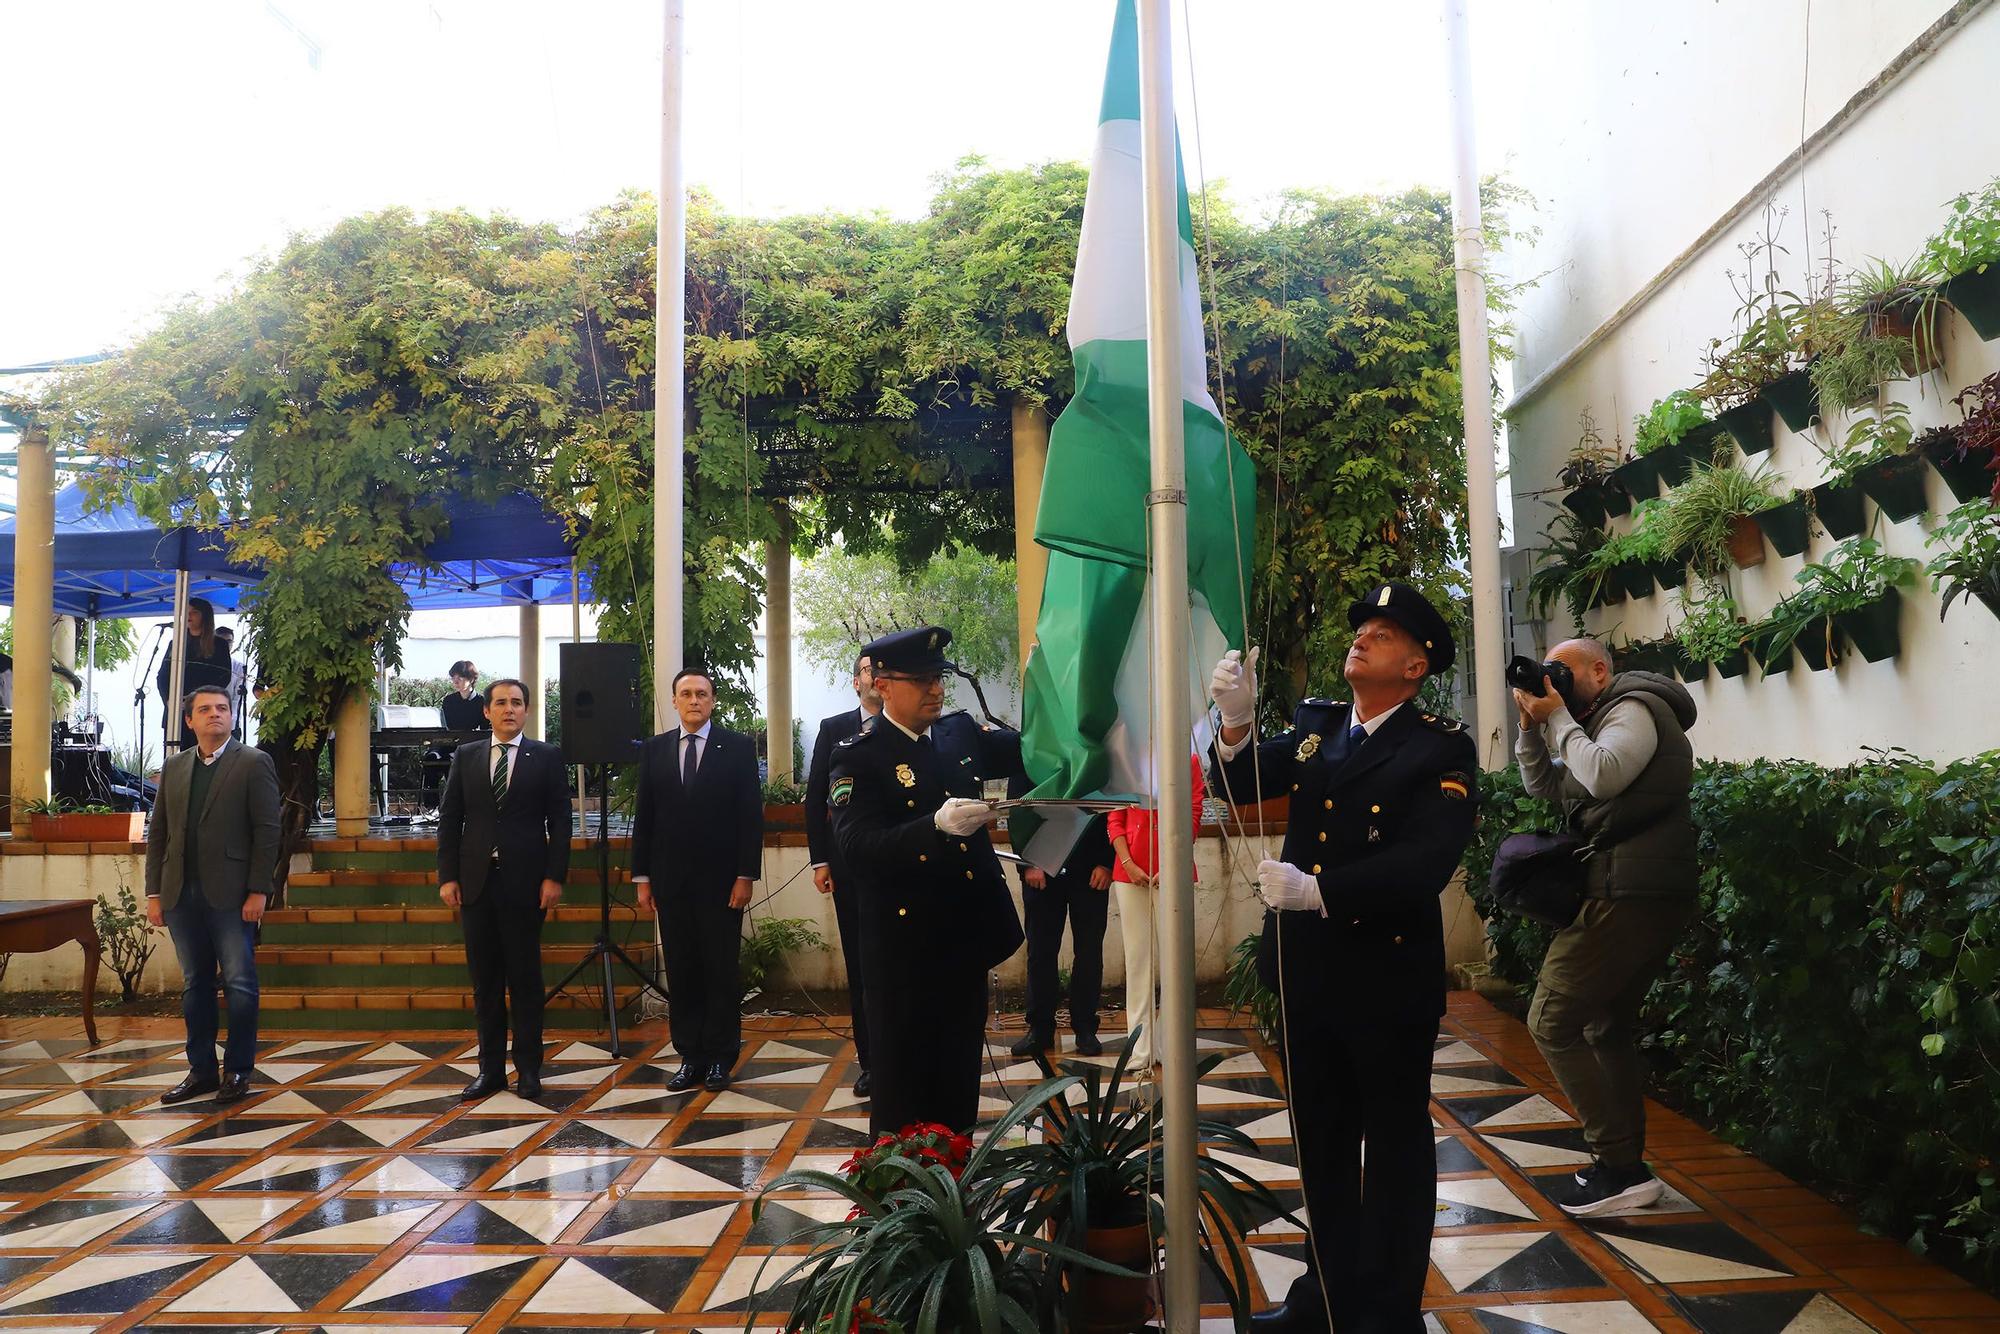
point(769, 942)
point(127, 939)
point(1855, 574)
point(844, 599)
point(1567, 568)
point(1590, 460)
point(1712, 630)
point(1666, 422)
point(1244, 990)
point(1776, 329)
point(1516, 944)
point(1970, 236)
point(1646, 541)
point(1968, 559)
point(779, 792)
point(117, 640)
point(1870, 438)
point(1856, 369)
point(1703, 511)
point(1836, 902)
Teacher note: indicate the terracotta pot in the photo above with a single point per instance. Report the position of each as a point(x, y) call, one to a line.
point(1746, 542)
point(117, 827)
point(1900, 321)
point(1107, 1303)
point(788, 816)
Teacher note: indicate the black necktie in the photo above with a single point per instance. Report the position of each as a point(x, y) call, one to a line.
point(1355, 736)
point(687, 764)
point(500, 777)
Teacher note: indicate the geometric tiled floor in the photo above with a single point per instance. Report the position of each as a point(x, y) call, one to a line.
point(355, 1190)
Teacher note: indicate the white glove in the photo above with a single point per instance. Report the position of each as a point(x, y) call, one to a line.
point(1288, 889)
point(1233, 686)
point(962, 815)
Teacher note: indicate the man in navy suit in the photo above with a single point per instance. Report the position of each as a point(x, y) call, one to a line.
point(828, 866)
point(697, 847)
point(503, 854)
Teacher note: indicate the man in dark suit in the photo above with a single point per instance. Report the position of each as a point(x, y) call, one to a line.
point(211, 860)
point(697, 847)
point(503, 854)
point(829, 872)
point(1079, 894)
point(1382, 804)
point(935, 911)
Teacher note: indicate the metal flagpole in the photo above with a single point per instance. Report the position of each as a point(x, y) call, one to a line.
point(669, 366)
point(177, 668)
point(1476, 372)
point(90, 669)
point(1166, 512)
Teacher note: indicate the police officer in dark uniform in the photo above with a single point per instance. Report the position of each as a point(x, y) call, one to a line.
point(935, 911)
point(1382, 799)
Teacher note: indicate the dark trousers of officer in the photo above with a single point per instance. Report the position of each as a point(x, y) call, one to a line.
point(503, 951)
point(847, 915)
point(704, 985)
point(927, 1026)
point(1066, 897)
point(1353, 1082)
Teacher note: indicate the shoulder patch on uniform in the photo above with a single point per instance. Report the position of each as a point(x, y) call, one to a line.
point(1456, 785)
point(841, 792)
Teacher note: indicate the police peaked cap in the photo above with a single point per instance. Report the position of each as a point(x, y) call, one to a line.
point(919, 650)
point(1411, 610)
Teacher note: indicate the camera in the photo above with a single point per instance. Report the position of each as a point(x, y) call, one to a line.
point(1526, 674)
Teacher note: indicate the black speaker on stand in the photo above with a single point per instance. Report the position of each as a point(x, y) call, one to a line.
point(602, 727)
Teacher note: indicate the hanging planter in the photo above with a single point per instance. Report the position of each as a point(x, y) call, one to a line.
point(1596, 502)
point(1896, 484)
point(1839, 509)
point(1749, 424)
point(1992, 603)
point(1966, 474)
point(1746, 542)
point(1901, 320)
point(1873, 628)
point(1732, 665)
point(1634, 578)
point(1976, 294)
point(1689, 667)
point(1775, 661)
point(1675, 462)
point(1817, 644)
point(1669, 573)
point(1638, 477)
point(1786, 525)
point(1794, 398)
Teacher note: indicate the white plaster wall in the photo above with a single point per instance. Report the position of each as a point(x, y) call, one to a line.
point(1632, 155)
point(79, 877)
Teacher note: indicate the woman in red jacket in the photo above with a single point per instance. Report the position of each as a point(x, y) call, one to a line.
point(1135, 841)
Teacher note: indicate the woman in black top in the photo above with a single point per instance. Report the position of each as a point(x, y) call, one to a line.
point(207, 665)
point(464, 710)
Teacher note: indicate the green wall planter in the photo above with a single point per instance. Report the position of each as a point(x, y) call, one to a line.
point(1732, 665)
point(1639, 477)
point(1818, 644)
point(1750, 425)
point(1774, 661)
point(1794, 398)
point(1786, 526)
point(1897, 485)
point(1873, 629)
point(1839, 509)
point(1690, 667)
point(1587, 504)
point(1992, 603)
point(1976, 294)
point(1675, 463)
point(1670, 573)
point(1967, 475)
point(1635, 579)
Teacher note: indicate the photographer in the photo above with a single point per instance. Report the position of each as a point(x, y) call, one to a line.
point(1611, 748)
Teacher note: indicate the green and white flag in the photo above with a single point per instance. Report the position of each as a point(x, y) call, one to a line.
point(1091, 682)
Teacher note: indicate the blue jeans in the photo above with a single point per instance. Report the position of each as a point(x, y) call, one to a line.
point(208, 939)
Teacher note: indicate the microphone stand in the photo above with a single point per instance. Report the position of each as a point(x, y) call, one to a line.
point(139, 695)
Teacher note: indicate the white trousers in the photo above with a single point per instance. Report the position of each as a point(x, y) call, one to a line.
point(1135, 924)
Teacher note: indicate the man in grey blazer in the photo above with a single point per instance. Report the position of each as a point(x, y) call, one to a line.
point(211, 860)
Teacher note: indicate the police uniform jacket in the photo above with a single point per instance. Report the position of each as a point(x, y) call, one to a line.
point(1382, 825)
point(924, 893)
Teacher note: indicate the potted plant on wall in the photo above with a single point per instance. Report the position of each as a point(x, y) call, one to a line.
point(1876, 455)
point(1667, 438)
point(1965, 472)
point(1964, 255)
point(1765, 367)
point(1564, 569)
point(1968, 561)
point(63, 821)
point(1788, 523)
point(1712, 517)
point(1712, 635)
point(1853, 590)
point(1587, 473)
point(1886, 328)
point(1979, 433)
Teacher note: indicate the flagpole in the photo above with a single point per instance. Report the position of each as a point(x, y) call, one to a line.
point(1166, 512)
point(1476, 376)
point(669, 365)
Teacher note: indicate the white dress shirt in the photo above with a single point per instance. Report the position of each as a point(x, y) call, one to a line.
point(493, 756)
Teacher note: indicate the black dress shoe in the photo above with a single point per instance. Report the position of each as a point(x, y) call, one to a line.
point(718, 1078)
point(193, 1086)
point(684, 1078)
point(528, 1086)
point(1088, 1045)
point(1280, 1319)
point(484, 1087)
point(861, 1085)
point(1032, 1045)
point(235, 1088)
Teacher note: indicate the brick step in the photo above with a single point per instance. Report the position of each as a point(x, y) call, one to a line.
point(436, 927)
point(320, 879)
point(436, 912)
point(448, 999)
point(372, 1010)
point(350, 977)
point(392, 956)
point(421, 894)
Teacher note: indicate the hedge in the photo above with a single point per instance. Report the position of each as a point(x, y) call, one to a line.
point(1834, 1008)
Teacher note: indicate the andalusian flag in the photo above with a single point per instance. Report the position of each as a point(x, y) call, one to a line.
point(1090, 681)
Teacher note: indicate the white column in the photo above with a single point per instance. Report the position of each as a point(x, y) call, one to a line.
point(34, 612)
point(531, 667)
point(1031, 561)
point(670, 368)
point(1482, 504)
point(350, 764)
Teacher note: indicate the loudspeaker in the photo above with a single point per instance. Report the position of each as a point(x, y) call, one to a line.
point(602, 722)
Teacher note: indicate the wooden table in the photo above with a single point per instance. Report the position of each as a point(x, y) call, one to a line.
point(29, 926)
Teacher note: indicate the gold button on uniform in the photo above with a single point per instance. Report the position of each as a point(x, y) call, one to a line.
point(923, 856)
point(1374, 810)
point(909, 803)
point(1295, 787)
point(1355, 922)
point(902, 912)
point(961, 847)
point(1329, 805)
point(968, 875)
point(1322, 835)
point(1315, 868)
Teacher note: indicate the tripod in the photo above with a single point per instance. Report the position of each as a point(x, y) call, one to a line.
point(604, 949)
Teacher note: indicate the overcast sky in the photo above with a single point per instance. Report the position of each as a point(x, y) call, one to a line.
point(153, 148)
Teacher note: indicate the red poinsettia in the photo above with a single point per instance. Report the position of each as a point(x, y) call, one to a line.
point(923, 1142)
